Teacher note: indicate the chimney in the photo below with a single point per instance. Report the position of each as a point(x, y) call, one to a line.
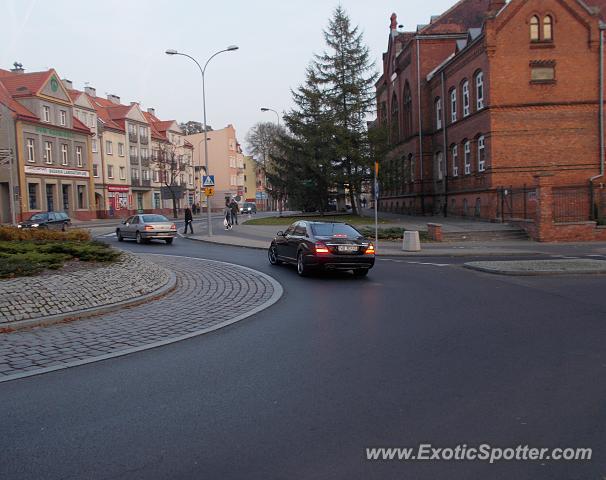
point(67, 83)
point(151, 111)
point(90, 91)
point(17, 68)
point(393, 22)
point(113, 98)
point(133, 103)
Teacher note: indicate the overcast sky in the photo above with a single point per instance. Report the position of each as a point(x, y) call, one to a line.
point(118, 47)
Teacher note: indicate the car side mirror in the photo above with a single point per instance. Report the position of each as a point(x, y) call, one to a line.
point(280, 233)
point(123, 222)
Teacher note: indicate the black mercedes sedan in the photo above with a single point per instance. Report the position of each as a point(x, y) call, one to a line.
point(322, 245)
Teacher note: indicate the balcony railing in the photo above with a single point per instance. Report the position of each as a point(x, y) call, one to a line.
point(132, 137)
point(144, 140)
point(135, 182)
point(145, 183)
point(145, 162)
point(134, 160)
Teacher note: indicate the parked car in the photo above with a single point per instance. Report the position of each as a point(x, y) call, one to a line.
point(323, 245)
point(147, 227)
point(248, 207)
point(50, 220)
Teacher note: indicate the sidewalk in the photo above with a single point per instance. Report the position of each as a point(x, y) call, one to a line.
point(260, 236)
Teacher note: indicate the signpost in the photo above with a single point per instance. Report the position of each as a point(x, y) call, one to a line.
point(209, 191)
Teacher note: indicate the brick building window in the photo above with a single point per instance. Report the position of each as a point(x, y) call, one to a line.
point(438, 110)
point(534, 29)
point(440, 165)
point(481, 154)
point(412, 168)
point(542, 71)
point(453, 105)
point(466, 109)
point(407, 111)
point(32, 192)
point(395, 120)
point(479, 90)
point(455, 161)
point(467, 153)
point(547, 28)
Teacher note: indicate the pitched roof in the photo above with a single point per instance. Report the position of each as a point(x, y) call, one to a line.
point(18, 110)
point(78, 125)
point(26, 84)
point(462, 16)
point(102, 113)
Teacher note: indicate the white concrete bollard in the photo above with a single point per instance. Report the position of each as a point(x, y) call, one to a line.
point(411, 242)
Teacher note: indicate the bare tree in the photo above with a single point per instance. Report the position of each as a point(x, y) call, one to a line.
point(191, 127)
point(170, 166)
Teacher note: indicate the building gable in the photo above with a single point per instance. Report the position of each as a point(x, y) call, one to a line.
point(136, 114)
point(53, 89)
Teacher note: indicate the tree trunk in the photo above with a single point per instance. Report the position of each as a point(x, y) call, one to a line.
point(174, 197)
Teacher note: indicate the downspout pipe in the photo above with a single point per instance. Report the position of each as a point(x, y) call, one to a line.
point(445, 141)
point(602, 28)
point(420, 124)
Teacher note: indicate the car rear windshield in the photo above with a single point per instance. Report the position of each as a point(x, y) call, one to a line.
point(154, 218)
point(247, 205)
point(334, 229)
point(39, 217)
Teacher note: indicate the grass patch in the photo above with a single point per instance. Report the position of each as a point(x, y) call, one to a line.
point(29, 257)
point(392, 233)
point(42, 234)
point(351, 219)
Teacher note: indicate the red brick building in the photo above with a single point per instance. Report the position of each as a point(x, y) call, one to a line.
point(486, 97)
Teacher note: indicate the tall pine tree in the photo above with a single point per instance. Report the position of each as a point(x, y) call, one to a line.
point(346, 74)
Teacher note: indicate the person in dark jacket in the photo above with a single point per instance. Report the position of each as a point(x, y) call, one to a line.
point(189, 220)
point(234, 211)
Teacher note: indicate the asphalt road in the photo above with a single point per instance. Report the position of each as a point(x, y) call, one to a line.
point(414, 353)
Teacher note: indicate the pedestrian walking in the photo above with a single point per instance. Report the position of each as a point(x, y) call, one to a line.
point(189, 221)
point(227, 215)
point(234, 211)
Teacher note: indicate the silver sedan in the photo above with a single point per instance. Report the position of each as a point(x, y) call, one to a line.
point(146, 227)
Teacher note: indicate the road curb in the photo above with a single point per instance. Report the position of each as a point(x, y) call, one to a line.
point(531, 273)
point(168, 287)
point(422, 253)
point(278, 292)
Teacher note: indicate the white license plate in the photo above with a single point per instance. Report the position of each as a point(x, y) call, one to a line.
point(348, 248)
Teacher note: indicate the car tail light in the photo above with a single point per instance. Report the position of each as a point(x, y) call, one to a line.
point(173, 227)
point(370, 250)
point(149, 227)
point(321, 248)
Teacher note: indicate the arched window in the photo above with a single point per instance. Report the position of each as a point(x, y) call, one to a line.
point(466, 108)
point(479, 91)
point(547, 28)
point(438, 111)
point(481, 154)
point(453, 105)
point(395, 120)
point(534, 29)
point(455, 160)
point(440, 165)
point(467, 152)
point(407, 111)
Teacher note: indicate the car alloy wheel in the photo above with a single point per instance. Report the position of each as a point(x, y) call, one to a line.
point(301, 268)
point(139, 238)
point(273, 256)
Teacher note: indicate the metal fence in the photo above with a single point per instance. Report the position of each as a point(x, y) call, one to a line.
point(572, 203)
point(517, 203)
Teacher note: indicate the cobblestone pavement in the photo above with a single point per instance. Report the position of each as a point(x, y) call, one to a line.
point(27, 298)
point(541, 267)
point(197, 305)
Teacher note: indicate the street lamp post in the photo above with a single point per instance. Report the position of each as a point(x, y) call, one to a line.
point(231, 48)
point(265, 109)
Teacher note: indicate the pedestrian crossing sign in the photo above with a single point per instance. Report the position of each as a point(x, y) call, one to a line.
point(209, 191)
point(208, 180)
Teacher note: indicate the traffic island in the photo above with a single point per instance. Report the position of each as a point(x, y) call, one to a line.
point(90, 290)
point(573, 266)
